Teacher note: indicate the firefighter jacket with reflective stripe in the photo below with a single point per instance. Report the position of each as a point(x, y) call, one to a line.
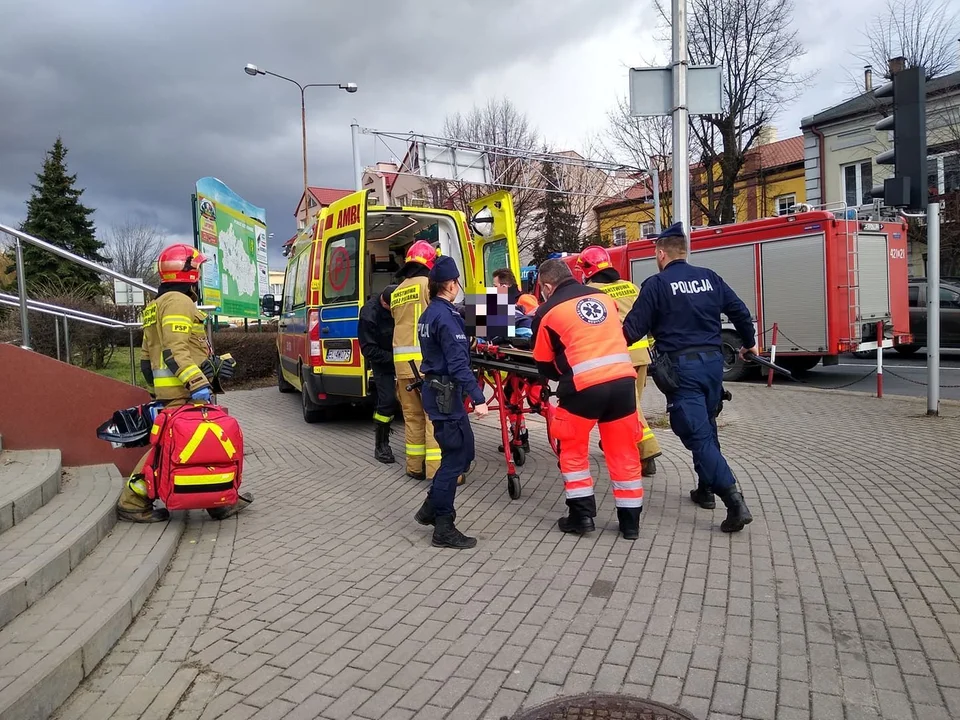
point(407, 304)
point(578, 339)
point(174, 346)
point(625, 294)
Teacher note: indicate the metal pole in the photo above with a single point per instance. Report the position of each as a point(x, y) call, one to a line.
point(657, 228)
point(773, 354)
point(66, 340)
point(22, 289)
point(56, 328)
point(880, 359)
point(357, 169)
point(681, 164)
point(133, 361)
point(303, 128)
point(933, 308)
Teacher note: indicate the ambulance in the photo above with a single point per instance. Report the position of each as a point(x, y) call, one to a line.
point(352, 251)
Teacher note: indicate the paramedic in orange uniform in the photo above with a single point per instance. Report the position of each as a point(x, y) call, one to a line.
point(578, 341)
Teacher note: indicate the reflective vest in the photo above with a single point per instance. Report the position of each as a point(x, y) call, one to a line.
point(174, 346)
point(625, 293)
point(580, 334)
point(407, 303)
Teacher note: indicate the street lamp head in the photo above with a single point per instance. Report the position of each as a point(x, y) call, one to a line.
point(252, 70)
point(349, 87)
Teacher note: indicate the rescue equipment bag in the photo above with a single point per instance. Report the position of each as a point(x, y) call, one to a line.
point(196, 458)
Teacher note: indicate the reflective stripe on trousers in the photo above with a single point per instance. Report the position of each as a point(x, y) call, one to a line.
point(577, 484)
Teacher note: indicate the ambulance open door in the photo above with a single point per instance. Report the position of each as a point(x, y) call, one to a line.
point(494, 228)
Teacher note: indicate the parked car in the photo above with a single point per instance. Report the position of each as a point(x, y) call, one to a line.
point(949, 315)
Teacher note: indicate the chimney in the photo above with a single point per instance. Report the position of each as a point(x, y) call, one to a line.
point(896, 64)
point(868, 78)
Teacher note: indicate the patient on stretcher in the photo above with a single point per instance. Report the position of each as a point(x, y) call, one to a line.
point(492, 318)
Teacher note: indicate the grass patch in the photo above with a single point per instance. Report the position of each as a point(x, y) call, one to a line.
point(119, 367)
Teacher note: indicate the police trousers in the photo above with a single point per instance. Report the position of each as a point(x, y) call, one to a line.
point(455, 438)
point(612, 405)
point(423, 453)
point(385, 384)
point(693, 412)
point(649, 447)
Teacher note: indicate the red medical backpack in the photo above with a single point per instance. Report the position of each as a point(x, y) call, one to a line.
point(197, 458)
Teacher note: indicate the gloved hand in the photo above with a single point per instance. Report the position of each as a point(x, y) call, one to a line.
point(225, 366)
point(203, 395)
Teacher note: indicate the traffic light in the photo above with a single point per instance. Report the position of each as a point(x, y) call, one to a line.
point(908, 121)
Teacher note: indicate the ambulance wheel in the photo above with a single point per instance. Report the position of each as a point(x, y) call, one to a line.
point(519, 456)
point(311, 413)
point(513, 486)
point(282, 385)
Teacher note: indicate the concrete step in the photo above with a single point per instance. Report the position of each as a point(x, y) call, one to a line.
point(29, 479)
point(48, 650)
point(40, 551)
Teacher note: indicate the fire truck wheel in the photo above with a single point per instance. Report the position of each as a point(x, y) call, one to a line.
point(282, 385)
point(734, 366)
point(907, 350)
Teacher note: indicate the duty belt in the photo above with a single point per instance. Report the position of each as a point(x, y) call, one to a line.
point(693, 353)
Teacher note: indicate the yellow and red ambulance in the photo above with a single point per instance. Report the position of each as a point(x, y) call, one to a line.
point(351, 252)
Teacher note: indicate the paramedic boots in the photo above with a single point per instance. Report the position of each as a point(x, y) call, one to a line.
point(629, 519)
point(738, 515)
point(383, 453)
point(222, 513)
point(133, 505)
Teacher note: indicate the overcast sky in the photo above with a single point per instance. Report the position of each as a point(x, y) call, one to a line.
point(149, 96)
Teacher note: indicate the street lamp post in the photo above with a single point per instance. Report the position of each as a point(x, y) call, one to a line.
point(253, 71)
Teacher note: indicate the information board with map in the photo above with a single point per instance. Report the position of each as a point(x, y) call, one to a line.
point(232, 234)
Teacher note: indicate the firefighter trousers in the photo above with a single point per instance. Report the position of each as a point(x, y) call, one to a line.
point(649, 447)
point(693, 416)
point(130, 499)
point(612, 406)
point(422, 450)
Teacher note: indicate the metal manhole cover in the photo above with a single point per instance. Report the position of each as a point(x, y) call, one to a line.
point(599, 706)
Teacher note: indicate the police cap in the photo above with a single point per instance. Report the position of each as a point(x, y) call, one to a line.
point(444, 269)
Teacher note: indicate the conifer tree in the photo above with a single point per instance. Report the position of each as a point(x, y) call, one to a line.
point(558, 224)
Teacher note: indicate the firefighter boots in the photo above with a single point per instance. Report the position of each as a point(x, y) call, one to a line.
point(738, 515)
point(133, 504)
point(383, 453)
point(445, 535)
point(426, 515)
point(629, 519)
point(578, 525)
point(145, 515)
point(422, 475)
point(703, 497)
point(222, 513)
point(649, 467)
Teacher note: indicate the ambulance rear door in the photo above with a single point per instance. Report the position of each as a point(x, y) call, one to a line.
point(494, 228)
point(341, 295)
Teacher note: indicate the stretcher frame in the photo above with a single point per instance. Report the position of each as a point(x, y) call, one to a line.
point(518, 390)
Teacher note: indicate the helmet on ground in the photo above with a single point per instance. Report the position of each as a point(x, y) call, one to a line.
point(422, 252)
point(592, 260)
point(180, 264)
point(130, 427)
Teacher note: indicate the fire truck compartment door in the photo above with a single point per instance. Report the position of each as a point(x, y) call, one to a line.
point(874, 280)
point(794, 292)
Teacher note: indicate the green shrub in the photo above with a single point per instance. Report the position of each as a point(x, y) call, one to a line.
point(255, 352)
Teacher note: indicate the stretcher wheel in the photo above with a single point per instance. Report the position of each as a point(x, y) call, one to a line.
point(513, 486)
point(519, 456)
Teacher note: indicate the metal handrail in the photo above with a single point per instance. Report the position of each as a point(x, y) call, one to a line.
point(71, 312)
point(57, 312)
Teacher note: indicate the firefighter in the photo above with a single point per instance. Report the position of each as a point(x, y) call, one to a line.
point(578, 341)
point(446, 379)
point(177, 365)
point(375, 332)
point(407, 303)
point(599, 272)
point(681, 306)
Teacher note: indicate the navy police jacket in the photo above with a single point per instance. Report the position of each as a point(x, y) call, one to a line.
point(446, 349)
point(375, 333)
point(681, 305)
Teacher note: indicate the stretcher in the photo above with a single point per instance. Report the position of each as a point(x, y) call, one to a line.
point(518, 390)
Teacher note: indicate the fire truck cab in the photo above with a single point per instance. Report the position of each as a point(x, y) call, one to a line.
point(352, 252)
point(824, 279)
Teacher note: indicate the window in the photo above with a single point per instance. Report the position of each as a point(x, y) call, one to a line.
point(300, 284)
point(341, 269)
point(943, 173)
point(857, 183)
point(619, 236)
point(647, 229)
point(949, 298)
point(785, 202)
point(288, 283)
point(914, 296)
point(494, 258)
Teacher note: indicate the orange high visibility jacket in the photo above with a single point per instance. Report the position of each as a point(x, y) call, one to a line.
point(407, 303)
point(578, 339)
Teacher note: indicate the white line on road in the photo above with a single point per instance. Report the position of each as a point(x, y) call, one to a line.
point(894, 367)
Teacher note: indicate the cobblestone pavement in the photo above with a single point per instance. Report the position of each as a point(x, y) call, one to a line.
point(325, 598)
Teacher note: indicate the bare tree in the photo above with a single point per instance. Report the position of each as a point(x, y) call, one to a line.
point(756, 45)
point(923, 32)
point(134, 247)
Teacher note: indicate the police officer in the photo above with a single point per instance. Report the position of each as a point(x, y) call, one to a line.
point(375, 332)
point(681, 306)
point(599, 272)
point(446, 379)
point(578, 341)
point(177, 365)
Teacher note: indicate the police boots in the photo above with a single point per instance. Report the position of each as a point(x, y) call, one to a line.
point(703, 497)
point(445, 535)
point(426, 514)
point(383, 453)
point(738, 514)
point(629, 522)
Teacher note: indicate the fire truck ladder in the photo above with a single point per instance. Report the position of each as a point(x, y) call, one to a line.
point(847, 229)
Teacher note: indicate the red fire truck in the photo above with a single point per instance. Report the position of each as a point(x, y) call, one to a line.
point(824, 279)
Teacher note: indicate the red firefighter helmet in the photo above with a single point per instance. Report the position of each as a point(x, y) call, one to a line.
point(180, 264)
point(592, 260)
point(422, 252)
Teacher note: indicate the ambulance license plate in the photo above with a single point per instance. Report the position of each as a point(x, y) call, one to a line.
point(338, 356)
